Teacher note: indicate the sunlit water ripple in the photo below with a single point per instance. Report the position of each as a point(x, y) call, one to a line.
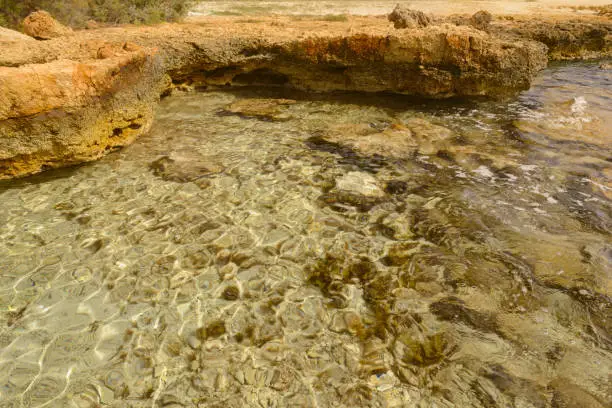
point(216, 262)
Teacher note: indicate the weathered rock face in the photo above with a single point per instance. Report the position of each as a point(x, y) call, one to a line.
point(436, 62)
point(42, 26)
point(67, 112)
point(403, 17)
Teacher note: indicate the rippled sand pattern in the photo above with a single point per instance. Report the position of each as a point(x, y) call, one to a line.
point(217, 263)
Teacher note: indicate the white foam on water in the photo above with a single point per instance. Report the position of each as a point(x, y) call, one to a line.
point(579, 106)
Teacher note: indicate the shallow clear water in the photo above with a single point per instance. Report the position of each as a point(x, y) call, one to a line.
point(257, 253)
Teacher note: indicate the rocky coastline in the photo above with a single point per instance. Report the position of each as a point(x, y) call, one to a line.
point(82, 94)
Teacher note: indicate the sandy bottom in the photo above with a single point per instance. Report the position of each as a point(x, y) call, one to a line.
point(258, 252)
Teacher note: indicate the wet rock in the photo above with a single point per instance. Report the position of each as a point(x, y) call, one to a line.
point(42, 26)
point(263, 109)
point(403, 17)
point(429, 137)
point(360, 183)
point(183, 167)
point(400, 140)
point(394, 141)
point(347, 154)
point(340, 200)
point(356, 190)
point(481, 20)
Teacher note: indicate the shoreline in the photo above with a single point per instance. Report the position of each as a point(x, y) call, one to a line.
point(75, 98)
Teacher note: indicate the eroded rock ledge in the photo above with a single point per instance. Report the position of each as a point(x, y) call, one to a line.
point(74, 98)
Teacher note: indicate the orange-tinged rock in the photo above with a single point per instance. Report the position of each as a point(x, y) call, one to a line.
point(42, 26)
point(67, 112)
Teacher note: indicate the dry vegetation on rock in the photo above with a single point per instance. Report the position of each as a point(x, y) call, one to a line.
point(77, 12)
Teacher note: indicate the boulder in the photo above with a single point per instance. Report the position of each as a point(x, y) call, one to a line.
point(481, 20)
point(403, 17)
point(42, 26)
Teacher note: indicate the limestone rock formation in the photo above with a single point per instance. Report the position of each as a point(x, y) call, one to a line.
point(73, 98)
point(481, 20)
point(67, 112)
point(403, 17)
point(42, 26)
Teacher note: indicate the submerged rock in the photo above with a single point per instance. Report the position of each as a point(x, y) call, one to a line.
point(399, 140)
point(42, 26)
point(264, 109)
point(403, 17)
point(184, 167)
point(481, 20)
point(360, 183)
